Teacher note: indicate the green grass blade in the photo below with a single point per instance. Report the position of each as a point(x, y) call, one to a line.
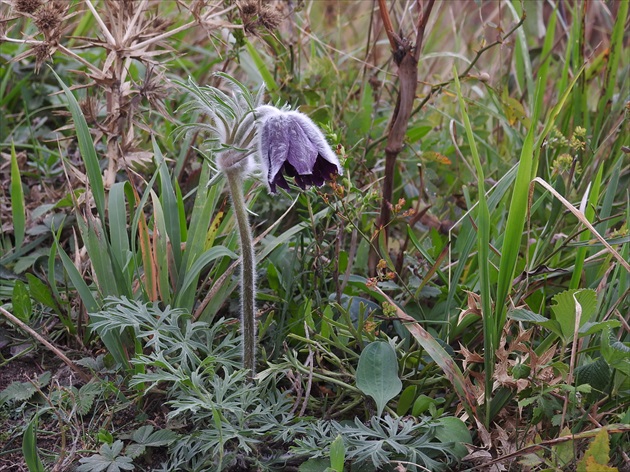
point(609, 198)
point(204, 206)
point(579, 111)
point(29, 448)
point(111, 341)
point(523, 62)
point(139, 233)
point(192, 274)
point(612, 69)
point(267, 76)
point(118, 235)
point(161, 248)
point(101, 258)
point(17, 201)
point(483, 256)
point(466, 239)
point(169, 204)
point(88, 152)
point(87, 297)
point(181, 211)
point(589, 213)
point(517, 215)
point(546, 53)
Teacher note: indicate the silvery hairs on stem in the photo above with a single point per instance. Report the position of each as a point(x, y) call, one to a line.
point(289, 144)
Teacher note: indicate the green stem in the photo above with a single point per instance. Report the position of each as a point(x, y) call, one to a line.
point(248, 271)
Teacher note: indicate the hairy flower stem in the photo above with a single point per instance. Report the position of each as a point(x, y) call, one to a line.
point(248, 271)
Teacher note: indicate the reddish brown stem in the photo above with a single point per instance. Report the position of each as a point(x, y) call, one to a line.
point(406, 58)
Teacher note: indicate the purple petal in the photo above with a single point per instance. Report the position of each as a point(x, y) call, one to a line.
point(279, 181)
point(302, 152)
point(323, 170)
point(291, 144)
point(316, 137)
point(274, 145)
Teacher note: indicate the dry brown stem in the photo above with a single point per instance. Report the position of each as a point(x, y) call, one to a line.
point(16, 321)
point(405, 54)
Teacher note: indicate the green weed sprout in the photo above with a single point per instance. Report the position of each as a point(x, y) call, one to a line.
point(252, 139)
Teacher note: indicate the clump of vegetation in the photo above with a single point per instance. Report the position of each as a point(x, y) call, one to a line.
point(454, 297)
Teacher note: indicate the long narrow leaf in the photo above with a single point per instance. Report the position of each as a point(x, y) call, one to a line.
point(29, 448)
point(517, 215)
point(267, 77)
point(522, 60)
point(589, 214)
point(483, 257)
point(17, 201)
point(118, 233)
point(162, 250)
point(612, 69)
point(528, 165)
point(550, 30)
point(101, 259)
point(168, 202)
point(88, 152)
point(202, 261)
point(205, 204)
point(111, 341)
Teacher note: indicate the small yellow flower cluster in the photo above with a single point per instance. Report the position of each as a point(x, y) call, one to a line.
point(382, 274)
point(389, 310)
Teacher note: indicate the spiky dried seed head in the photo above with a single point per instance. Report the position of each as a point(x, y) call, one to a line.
point(256, 15)
point(248, 8)
point(48, 17)
point(4, 20)
point(155, 89)
point(43, 51)
point(270, 17)
point(159, 24)
point(89, 107)
point(27, 6)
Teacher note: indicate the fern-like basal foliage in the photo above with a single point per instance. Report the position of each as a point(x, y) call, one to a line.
point(176, 343)
point(234, 424)
point(380, 442)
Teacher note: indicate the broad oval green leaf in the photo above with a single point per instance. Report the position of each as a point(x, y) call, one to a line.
point(565, 310)
point(454, 430)
point(377, 373)
point(406, 400)
point(596, 374)
point(337, 454)
point(22, 307)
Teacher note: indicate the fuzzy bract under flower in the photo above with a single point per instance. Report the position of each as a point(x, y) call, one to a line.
point(291, 145)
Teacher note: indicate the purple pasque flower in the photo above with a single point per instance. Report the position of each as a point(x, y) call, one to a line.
point(291, 145)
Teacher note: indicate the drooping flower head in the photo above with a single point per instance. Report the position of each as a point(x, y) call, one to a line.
point(291, 145)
